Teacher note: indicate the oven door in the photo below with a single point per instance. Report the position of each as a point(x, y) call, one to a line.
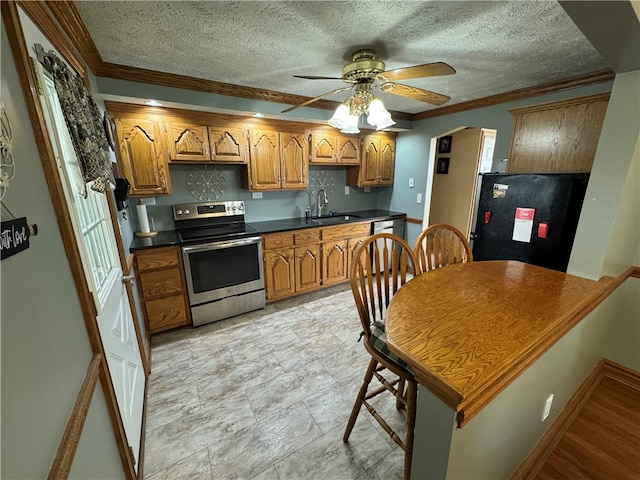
point(222, 269)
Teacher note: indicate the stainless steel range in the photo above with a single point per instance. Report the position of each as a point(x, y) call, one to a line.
point(222, 260)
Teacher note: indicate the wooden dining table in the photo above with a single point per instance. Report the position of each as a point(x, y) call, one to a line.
point(468, 330)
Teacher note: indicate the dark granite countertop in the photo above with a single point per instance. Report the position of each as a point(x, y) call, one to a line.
point(273, 226)
point(170, 237)
point(163, 239)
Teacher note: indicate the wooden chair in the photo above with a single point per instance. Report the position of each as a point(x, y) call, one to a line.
point(441, 245)
point(390, 257)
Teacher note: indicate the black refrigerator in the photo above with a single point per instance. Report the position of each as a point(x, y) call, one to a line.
point(528, 217)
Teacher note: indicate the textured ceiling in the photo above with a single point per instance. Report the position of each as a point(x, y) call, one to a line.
point(495, 47)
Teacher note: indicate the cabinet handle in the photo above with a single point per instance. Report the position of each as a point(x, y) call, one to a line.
point(157, 284)
point(164, 314)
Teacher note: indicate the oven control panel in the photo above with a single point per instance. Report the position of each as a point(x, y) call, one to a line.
point(193, 211)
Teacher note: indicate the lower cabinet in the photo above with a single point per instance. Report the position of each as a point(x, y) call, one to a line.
point(162, 288)
point(305, 260)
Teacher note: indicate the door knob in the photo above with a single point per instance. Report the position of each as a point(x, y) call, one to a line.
point(128, 278)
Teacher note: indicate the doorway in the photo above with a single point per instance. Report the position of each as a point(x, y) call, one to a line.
point(460, 155)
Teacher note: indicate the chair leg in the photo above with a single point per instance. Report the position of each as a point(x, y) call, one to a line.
point(412, 393)
point(359, 399)
point(399, 404)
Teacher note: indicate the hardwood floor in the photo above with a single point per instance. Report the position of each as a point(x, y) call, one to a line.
point(603, 442)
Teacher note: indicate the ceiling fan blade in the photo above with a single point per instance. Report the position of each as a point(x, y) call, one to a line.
point(419, 71)
point(303, 104)
point(315, 77)
point(415, 93)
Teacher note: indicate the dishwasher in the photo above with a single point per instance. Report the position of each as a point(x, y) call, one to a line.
point(395, 226)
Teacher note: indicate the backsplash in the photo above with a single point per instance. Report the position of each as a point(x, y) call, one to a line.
point(272, 206)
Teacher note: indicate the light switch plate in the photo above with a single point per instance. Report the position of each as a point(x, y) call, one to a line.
point(346, 189)
point(419, 198)
point(411, 182)
point(256, 195)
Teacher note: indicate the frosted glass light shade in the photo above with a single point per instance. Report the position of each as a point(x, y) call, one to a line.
point(340, 117)
point(351, 125)
point(378, 116)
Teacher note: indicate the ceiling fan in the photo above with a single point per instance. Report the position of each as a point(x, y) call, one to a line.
point(365, 72)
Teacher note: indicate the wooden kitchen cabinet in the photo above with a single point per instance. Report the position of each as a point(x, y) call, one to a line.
point(277, 160)
point(330, 148)
point(195, 143)
point(140, 155)
point(338, 244)
point(228, 143)
point(292, 262)
point(309, 259)
point(377, 162)
point(187, 141)
point(162, 288)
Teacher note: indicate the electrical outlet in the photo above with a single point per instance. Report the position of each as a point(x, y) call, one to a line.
point(367, 189)
point(547, 408)
point(346, 189)
point(411, 182)
point(419, 198)
point(256, 195)
point(148, 200)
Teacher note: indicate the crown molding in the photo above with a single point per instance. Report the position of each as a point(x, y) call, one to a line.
point(522, 93)
point(67, 15)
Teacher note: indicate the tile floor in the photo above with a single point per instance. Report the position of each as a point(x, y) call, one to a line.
point(266, 396)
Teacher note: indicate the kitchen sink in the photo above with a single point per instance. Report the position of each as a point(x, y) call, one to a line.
point(332, 219)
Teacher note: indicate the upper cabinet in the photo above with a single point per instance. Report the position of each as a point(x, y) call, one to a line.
point(557, 137)
point(140, 154)
point(187, 142)
point(216, 142)
point(377, 162)
point(276, 153)
point(228, 143)
point(329, 147)
point(277, 160)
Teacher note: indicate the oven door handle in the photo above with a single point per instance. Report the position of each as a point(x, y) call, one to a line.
point(220, 245)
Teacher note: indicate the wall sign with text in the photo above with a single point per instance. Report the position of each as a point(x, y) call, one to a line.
point(14, 237)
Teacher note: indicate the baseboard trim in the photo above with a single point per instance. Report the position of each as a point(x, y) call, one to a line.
point(541, 452)
point(621, 374)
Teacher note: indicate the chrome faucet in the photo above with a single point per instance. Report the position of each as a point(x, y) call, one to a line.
point(322, 200)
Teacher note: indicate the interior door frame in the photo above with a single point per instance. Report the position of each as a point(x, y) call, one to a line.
point(20, 50)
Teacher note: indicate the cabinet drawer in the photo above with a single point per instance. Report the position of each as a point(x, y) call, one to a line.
point(277, 240)
point(307, 236)
point(167, 312)
point(161, 282)
point(344, 231)
point(157, 258)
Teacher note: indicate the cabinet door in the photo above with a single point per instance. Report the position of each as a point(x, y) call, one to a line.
point(335, 258)
point(324, 148)
point(354, 243)
point(307, 268)
point(264, 162)
point(279, 273)
point(188, 142)
point(386, 162)
point(293, 161)
point(140, 149)
point(349, 150)
point(369, 164)
point(228, 144)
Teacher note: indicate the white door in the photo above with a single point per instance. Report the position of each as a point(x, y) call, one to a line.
point(97, 243)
